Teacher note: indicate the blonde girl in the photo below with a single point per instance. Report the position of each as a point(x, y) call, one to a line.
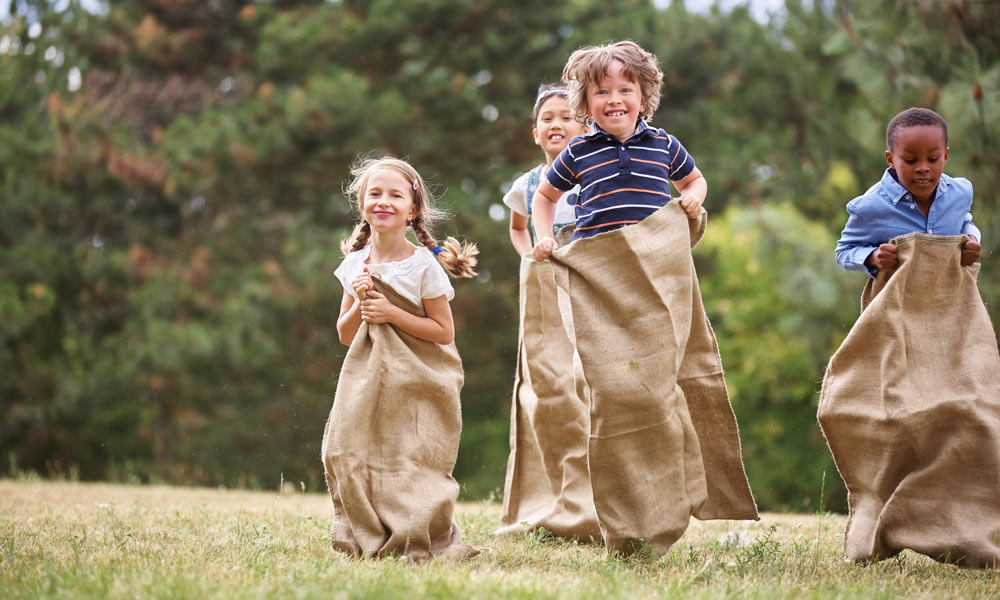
point(393, 199)
point(392, 437)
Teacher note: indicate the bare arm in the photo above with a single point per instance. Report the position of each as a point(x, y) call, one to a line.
point(438, 326)
point(519, 235)
point(693, 188)
point(350, 319)
point(350, 310)
point(543, 211)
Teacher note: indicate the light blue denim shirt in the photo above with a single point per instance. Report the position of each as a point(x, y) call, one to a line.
point(887, 210)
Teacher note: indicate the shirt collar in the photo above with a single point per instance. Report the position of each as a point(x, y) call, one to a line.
point(895, 190)
point(642, 128)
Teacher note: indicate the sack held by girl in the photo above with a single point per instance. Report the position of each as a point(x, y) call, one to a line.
point(392, 437)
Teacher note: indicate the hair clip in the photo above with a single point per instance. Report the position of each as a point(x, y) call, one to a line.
point(416, 183)
point(437, 250)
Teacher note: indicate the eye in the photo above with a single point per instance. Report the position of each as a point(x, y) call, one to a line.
point(909, 161)
point(933, 159)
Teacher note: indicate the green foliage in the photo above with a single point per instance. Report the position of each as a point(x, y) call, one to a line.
point(780, 307)
point(170, 221)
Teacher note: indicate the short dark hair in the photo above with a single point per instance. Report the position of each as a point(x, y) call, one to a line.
point(913, 117)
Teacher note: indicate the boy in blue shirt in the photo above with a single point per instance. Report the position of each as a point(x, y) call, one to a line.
point(914, 195)
point(623, 166)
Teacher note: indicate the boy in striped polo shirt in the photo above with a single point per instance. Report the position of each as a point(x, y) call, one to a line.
point(623, 166)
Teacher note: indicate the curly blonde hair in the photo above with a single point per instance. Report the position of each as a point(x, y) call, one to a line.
point(458, 258)
point(592, 63)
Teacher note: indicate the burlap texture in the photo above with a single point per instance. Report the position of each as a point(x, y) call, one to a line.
point(910, 408)
point(391, 442)
point(548, 483)
point(664, 443)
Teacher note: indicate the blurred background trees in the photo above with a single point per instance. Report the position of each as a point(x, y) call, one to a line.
point(171, 206)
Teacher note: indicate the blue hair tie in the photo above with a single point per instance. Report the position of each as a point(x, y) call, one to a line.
point(437, 250)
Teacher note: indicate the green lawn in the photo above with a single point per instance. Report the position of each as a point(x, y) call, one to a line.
point(72, 540)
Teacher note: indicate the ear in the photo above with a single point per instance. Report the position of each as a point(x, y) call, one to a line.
point(944, 157)
point(534, 135)
point(888, 158)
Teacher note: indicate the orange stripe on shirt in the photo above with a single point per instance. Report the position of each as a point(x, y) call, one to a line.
point(577, 143)
point(567, 168)
point(659, 137)
point(652, 162)
point(675, 156)
point(605, 225)
point(626, 190)
point(600, 165)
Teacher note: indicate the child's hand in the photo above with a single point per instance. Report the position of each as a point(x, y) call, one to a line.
point(362, 283)
point(883, 258)
point(376, 309)
point(970, 252)
point(544, 249)
point(691, 205)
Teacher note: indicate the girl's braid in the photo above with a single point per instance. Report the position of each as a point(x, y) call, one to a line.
point(457, 258)
point(358, 238)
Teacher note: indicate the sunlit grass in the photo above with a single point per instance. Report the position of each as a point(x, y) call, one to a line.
point(61, 539)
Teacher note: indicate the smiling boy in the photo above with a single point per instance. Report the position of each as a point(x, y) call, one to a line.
point(914, 195)
point(623, 166)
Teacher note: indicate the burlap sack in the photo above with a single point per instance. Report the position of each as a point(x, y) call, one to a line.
point(548, 483)
point(910, 407)
point(391, 442)
point(664, 444)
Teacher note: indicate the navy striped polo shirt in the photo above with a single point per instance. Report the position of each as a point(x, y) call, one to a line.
point(620, 182)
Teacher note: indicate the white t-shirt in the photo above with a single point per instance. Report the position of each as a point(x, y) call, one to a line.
point(416, 277)
point(517, 201)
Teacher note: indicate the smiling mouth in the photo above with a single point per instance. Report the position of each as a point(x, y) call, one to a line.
point(615, 113)
point(556, 137)
point(382, 213)
point(922, 181)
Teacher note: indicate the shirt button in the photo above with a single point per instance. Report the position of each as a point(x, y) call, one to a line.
point(913, 206)
point(930, 231)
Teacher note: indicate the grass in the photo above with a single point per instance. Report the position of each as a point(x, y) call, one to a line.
point(76, 540)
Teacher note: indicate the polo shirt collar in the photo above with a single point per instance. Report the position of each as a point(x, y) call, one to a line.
point(642, 128)
point(895, 190)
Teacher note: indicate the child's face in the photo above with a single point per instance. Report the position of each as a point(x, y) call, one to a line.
point(615, 102)
point(918, 154)
point(555, 126)
point(388, 201)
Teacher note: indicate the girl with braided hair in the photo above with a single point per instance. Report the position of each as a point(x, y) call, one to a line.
point(392, 437)
point(392, 198)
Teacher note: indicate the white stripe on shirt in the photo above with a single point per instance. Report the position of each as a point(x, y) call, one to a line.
point(616, 174)
point(606, 148)
point(617, 206)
